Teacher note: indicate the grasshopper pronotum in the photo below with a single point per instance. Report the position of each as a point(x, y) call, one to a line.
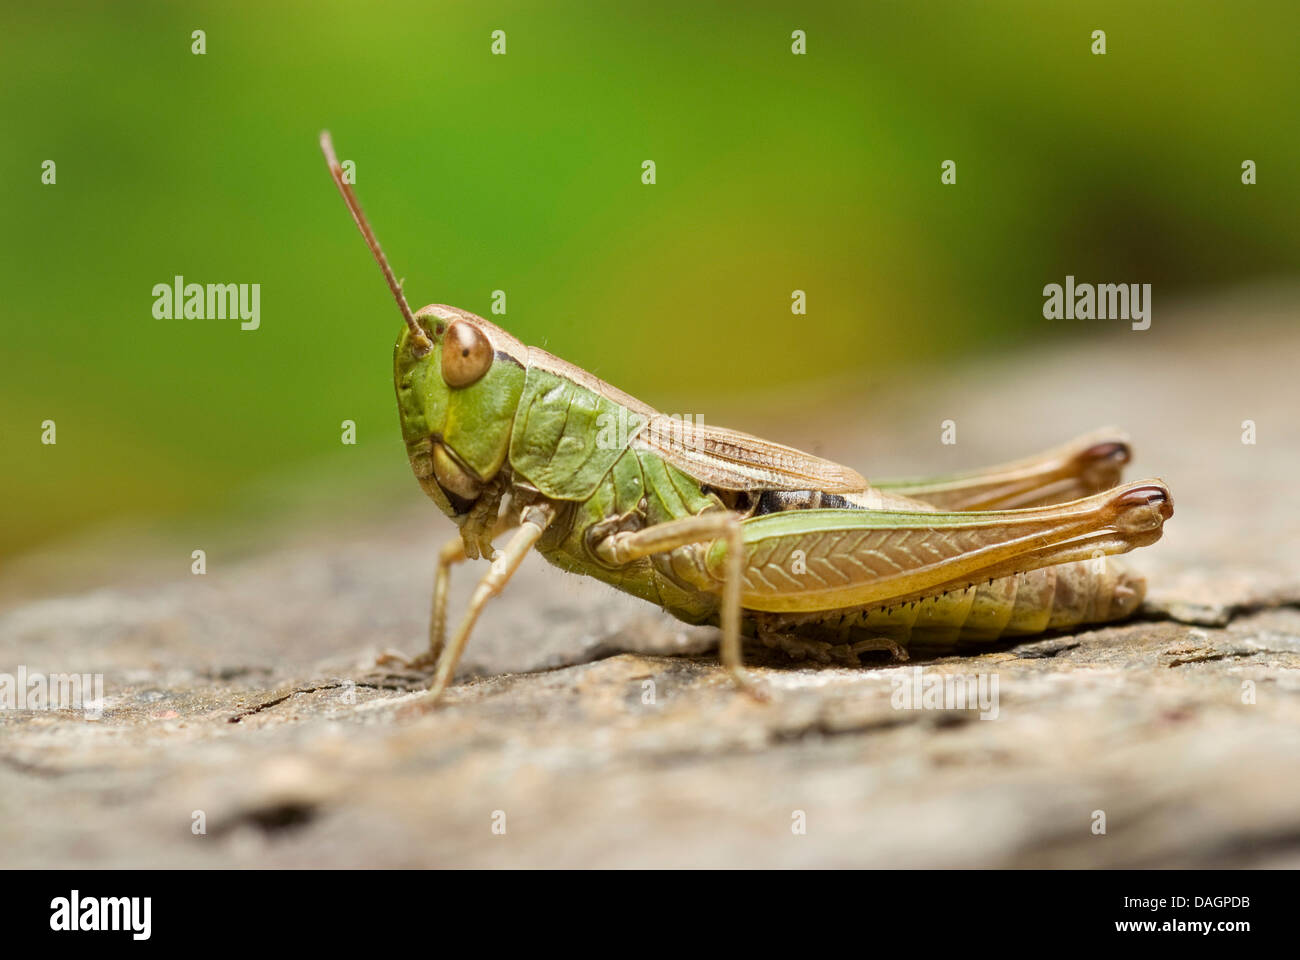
point(720, 527)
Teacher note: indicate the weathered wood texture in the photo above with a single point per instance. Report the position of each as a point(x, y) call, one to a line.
point(248, 693)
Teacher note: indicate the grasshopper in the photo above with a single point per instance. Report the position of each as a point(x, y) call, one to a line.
point(719, 527)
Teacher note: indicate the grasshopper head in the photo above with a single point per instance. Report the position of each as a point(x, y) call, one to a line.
point(458, 381)
point(457, 389)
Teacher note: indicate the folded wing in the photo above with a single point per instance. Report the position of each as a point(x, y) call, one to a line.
point(731, 460)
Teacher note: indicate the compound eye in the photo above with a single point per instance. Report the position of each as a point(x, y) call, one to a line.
point(466, 354)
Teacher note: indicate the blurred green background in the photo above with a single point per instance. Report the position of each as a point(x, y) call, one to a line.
point(523, 173)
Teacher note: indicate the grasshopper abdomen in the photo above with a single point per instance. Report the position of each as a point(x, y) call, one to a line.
point(964, 619)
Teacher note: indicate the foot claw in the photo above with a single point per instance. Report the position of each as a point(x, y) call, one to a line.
point(750, 687)
point(393, 658)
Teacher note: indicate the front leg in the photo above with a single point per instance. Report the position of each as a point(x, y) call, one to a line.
point(452, 553)
point(534, 521)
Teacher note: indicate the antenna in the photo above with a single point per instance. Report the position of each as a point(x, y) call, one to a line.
point(422, 344)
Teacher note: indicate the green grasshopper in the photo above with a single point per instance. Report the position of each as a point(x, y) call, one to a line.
point(719, 527)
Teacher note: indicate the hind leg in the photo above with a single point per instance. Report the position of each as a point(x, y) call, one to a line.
point(1086, 465)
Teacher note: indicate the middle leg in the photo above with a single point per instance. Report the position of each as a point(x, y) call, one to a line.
point(626, 546)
